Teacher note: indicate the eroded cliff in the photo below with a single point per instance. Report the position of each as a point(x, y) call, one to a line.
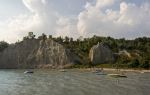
point(100, 54)
point(37, 53)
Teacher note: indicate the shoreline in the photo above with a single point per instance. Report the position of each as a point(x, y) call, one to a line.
point(90, 69)
point(111, 69)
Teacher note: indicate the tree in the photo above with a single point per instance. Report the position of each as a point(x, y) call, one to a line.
point(59, 39)
point(67, 39)
point(50, 37)
point(71, 40)
point(3, 45)
point(44, 37)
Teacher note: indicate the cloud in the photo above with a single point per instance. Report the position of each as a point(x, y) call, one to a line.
point(49, 20)
point(116, 18)
point(129, 20)
point(104, 3)
point(67, 27)
point(41, 19)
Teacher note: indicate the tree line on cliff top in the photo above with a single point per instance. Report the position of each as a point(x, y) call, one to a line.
point(82, 46)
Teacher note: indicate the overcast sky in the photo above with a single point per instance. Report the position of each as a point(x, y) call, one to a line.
point(74, 18)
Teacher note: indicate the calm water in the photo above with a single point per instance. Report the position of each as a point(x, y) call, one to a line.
point(42, 82)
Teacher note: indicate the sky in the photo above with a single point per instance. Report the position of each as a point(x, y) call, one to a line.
point(74, 18)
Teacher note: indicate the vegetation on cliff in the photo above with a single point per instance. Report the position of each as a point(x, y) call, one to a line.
point(138, 50)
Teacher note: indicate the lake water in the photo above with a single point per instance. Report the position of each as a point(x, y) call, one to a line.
point(44, 82)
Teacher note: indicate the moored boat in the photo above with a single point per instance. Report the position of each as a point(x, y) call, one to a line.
point(117, 75)
point(28, 72)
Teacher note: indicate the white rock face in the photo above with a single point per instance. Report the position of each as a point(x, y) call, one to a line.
point(100, 54)
point(32, 53)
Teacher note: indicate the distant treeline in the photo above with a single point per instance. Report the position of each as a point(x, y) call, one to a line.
point(139, 48)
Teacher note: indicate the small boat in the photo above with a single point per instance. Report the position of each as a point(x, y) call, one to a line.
point(117, 75)
point(62, 70)
point(97, 71)
point(28, 72)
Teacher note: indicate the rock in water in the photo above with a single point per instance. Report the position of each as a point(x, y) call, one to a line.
point(37, 53)
point(100, 54)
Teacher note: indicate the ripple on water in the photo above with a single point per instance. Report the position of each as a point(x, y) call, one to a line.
point(42, 82)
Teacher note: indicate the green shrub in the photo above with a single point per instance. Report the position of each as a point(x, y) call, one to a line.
point(134, 63)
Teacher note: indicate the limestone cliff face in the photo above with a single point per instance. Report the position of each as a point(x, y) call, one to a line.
point(100, 54)
point(35, 53)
